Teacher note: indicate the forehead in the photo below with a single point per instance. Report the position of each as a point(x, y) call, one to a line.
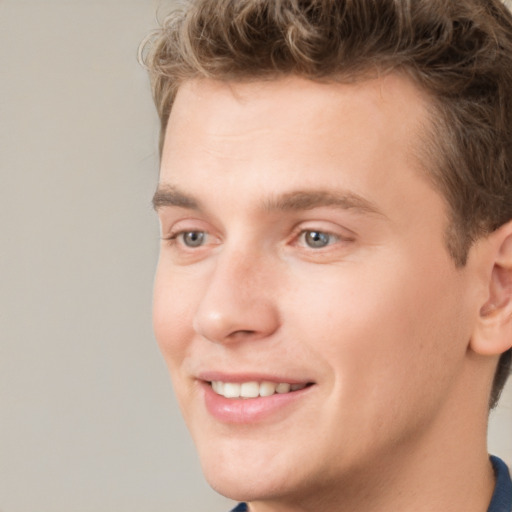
point(383, 98)
point(222, 114)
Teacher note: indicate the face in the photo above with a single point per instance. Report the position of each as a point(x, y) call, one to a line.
point(304, 297)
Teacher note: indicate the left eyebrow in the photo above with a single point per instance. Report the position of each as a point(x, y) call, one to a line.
point(307, 200)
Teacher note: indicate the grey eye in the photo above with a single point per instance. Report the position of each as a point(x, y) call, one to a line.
point(193, 238)
point(316, 239)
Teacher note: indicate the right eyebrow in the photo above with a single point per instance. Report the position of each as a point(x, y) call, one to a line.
point(167, 195)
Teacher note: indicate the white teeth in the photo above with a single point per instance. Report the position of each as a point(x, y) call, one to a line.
point(283, 388)
point(231, 390)
point(250, 390)
point(218, 387)
point(267, 388)
point(253, 389)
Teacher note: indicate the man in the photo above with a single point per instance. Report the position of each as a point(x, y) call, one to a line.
point(334, 291)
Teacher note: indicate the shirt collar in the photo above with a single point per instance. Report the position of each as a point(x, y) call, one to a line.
point(502, 498)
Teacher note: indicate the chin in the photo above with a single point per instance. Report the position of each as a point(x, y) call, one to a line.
point(247, 474)
point(245, 485)
point(238, 490)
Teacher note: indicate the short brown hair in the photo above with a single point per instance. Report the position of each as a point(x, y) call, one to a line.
point(458, 52)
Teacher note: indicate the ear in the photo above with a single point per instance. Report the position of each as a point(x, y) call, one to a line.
point(493, 333)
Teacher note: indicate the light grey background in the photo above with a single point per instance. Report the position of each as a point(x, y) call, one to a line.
point(87, 417)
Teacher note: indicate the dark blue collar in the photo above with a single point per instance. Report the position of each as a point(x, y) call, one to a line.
point(501, 499)
point(241, 507)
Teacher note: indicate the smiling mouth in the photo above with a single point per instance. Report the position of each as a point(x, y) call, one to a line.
point(254, 389)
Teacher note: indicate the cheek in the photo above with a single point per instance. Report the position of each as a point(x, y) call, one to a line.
point(383, 334)
point(172, 315)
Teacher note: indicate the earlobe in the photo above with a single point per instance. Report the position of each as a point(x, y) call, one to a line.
point(493, 334)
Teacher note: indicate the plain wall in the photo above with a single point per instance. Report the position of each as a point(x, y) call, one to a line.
point(88, 421)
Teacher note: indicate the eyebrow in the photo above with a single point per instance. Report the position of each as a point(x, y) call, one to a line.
point(308, 200)
point(168, 196)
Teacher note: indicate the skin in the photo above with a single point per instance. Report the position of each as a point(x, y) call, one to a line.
point(380, 320)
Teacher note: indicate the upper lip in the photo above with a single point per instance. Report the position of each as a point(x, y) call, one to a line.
point(209, 376)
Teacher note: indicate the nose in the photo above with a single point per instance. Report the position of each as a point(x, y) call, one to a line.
point(239, 302)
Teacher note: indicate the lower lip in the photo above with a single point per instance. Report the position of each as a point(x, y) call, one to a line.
point(250, 410)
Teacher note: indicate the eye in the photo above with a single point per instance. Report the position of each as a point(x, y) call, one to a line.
point(191, 239)
point(317, 239)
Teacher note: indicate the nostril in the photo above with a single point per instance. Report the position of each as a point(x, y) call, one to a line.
point(242, 332)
